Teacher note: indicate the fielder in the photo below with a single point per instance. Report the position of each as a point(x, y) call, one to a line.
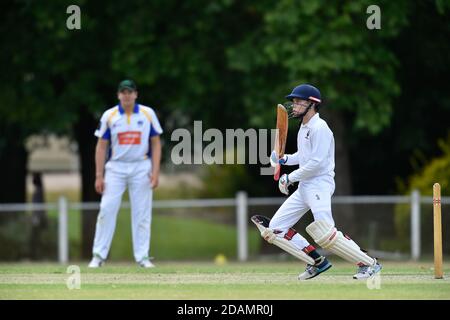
point(130, 132)
point(315, 157)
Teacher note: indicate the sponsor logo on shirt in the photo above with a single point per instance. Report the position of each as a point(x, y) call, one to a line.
point(140, 123)
point(129, 137)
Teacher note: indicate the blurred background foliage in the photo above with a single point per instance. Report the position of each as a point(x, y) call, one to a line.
point(228, 63)
point(421, 181)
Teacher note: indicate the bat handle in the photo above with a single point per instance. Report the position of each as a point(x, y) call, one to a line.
point(276, 175)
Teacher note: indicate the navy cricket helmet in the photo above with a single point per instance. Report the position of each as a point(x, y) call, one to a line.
point(306, 92)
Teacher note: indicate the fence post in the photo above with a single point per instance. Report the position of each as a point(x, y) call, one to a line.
point(63, 235)
point(241, 217)
point(415, 225)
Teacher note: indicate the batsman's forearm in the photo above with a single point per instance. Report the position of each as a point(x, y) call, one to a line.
point(304, 172)
point(156, 154)
point(292, 159)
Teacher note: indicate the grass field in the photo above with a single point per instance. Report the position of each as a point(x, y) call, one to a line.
point(256, 280)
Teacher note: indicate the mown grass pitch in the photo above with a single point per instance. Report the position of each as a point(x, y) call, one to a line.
point(200, 280)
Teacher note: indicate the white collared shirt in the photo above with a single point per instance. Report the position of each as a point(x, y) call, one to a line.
point(129, 135)
point(315, 154)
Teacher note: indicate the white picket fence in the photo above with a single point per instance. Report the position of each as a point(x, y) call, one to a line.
point(241, 203)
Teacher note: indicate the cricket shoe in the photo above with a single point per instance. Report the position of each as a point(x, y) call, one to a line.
point(365, 271)
point(146, 264)
point(314, 270)
point(96, 262)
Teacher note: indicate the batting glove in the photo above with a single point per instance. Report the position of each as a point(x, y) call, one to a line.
point(284, 183)
point(274, 159)
point(268, 235)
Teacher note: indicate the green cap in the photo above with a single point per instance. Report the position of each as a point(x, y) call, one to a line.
point(127, 84)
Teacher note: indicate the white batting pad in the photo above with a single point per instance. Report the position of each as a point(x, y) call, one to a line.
point(284, 244)
point(287, 246)
point(328, 237)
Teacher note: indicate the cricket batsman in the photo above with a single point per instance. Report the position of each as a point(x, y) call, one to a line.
point(128, 134)
point(315, 177)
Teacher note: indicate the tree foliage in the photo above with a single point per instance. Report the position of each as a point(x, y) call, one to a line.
point(229, 63)
point(326, 44)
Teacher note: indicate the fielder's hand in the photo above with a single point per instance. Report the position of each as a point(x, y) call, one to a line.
point(274, 159)
point(99, 184)
point(284, 183)
point(268, 235)
point(154, 180)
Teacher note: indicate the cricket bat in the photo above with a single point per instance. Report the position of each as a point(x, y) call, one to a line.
point(280, 136)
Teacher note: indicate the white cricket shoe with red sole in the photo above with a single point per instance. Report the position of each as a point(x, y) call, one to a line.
point(365, 271)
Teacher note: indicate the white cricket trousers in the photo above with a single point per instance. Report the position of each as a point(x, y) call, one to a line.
point(314, 194)
point(119, 175)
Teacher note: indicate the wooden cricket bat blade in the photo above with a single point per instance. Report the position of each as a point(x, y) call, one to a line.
point(280, 136)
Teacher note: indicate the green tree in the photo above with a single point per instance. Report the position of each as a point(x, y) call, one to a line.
point(421, 110)
point(56, 83)
point(436, 170)
point(25, 95)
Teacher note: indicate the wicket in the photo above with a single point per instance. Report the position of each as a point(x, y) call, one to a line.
point(437, 227)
